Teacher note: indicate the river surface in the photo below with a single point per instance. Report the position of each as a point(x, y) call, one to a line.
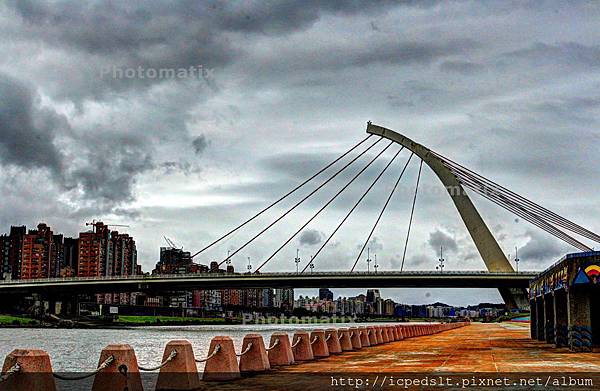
point(78, 350)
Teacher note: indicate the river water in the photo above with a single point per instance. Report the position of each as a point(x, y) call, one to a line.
point(78, 350)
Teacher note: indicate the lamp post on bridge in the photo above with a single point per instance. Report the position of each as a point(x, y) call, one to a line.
point(249, 265)
point(441, 261)
point(375, 265)
point(517, 260)
point(368, 260)
point(297, 260)
point(228, 260)
point(311, 264)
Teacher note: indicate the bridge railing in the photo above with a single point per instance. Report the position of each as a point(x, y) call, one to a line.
point(150, 277)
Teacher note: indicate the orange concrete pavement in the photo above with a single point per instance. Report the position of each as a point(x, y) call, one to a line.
point(478, 347)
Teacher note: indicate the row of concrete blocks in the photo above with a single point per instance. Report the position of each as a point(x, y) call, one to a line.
point(179, 370)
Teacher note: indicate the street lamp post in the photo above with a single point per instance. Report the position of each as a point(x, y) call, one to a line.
point(368, 260)
point(517, 260)
point(311, 264)
point(375, 265)
point(249, 265)
point(297, 260)
point(441, 261)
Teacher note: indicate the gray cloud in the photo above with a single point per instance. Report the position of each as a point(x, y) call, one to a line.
point(199, 143)
point(311, 237)
point(27, 131)
point(439, 238)
point(540, 249)
point(462, 67)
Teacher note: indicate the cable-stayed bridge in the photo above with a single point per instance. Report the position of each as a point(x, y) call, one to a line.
point(380, 144)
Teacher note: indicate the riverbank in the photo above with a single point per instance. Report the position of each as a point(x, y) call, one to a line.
point(132, 321)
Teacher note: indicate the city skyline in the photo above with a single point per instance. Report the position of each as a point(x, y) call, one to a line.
point(189, 155)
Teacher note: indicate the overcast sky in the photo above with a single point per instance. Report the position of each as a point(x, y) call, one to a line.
point(509, 89)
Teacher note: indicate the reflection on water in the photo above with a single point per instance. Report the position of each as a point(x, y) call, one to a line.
point(74, 350)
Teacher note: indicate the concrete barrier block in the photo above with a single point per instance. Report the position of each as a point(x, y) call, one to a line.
point(122, 373)
point(255, 359)
point(372, 333)
point(355, 338)
point(390, 333)
point(281, 352)
point(345, 341)
point(333, 341)
point(364, 336)
point(384, 335)
point(319, 346)
point(301, 347)
point(181, 372)
point(223, 366)
point(379, 334)
point(35, 373)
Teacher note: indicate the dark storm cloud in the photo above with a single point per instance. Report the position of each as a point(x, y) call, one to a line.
point(111, 36)
point(311, 237)
point(27, 131)
point(113, 163)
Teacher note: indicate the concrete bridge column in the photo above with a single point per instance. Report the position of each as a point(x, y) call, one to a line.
point(579, 319)
point(549, 318)
point(541, 322)
point(533, 319)
point(561, 328)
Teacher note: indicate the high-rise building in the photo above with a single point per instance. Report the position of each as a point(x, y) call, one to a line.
point(5, 272)
point(283, 298)
point(105, 253)
point(174, 261)
point(71, 257)
point(38, 256)
point(124, 254)
point(325, 294)
point(94, 252)
point(15, 251)
point(373, 295)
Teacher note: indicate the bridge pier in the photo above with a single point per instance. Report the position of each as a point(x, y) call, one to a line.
point(533, 319)
point(541, 319)
point(548, 317)
point(579, 319)
point(561, 328)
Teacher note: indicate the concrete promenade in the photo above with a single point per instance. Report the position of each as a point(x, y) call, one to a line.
point(491, 347)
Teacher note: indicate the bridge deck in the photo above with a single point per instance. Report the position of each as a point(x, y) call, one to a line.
point(462, 279)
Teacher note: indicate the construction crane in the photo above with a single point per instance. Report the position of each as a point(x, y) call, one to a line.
point(95, 224)
point(171, 243)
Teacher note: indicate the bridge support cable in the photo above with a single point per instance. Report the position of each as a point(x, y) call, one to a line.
point(362, 197)
point(461, 172)
point(387, 201)
point(326, 205)
point(479, 185)
point(282, 197)
point(412, 213)
point(500, 200)
point(301, 201)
